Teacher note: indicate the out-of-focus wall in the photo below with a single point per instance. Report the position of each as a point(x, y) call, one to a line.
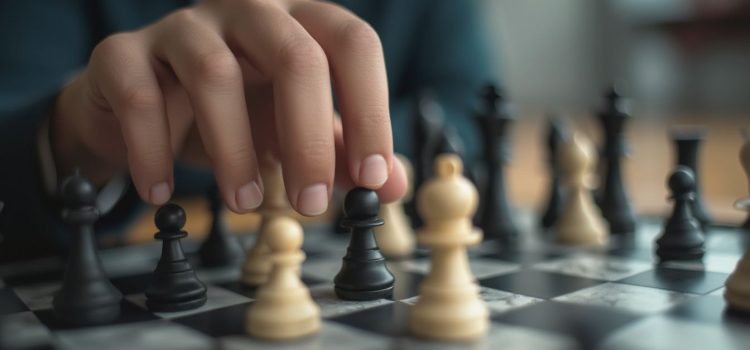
point(561, 54)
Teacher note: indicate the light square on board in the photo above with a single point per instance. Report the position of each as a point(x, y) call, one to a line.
point(665, 333)
point(497, 301)
point(596, 266)
point(154, 335)
point(23, 331)
point(331, 306)
point(626, 297)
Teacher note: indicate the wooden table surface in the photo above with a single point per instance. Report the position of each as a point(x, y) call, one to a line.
point(652, 158)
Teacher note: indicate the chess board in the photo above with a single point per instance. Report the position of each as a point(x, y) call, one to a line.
point(541, 296)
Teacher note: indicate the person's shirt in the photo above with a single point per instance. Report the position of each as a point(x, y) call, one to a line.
point(436, 45)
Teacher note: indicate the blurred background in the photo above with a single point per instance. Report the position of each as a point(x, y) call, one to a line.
point(679, 62)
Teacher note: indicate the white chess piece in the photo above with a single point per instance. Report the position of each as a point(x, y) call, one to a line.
point(283, 308)
point(580, 221)
point(737, 292)
point(396, 238)
point(449, 306)
point(257, 264)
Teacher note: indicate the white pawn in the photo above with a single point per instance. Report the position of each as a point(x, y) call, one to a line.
point(283, 308)
point(580, 222)
point(449, 307)
point(257, 265)
point(737, 292)
point(396, 238)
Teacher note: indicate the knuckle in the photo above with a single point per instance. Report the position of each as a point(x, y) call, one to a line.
point(317, 152)
point(302, 56)
point(112, 47)
point(181, 18)
point(140, 98)
point(356, 34)
point(218, 67)
point(237, 157)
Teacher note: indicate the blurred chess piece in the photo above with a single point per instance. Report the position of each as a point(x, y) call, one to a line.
point(737, 292)
point(283, 308)
point(580, 222)
point(257, 264)
point(396, 237)
point(449, 307)
point(744, 203)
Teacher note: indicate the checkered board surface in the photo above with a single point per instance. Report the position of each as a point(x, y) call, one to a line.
point(541, 296)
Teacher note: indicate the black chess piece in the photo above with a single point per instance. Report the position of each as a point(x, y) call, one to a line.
point(497, 219)
point(682, 238)
point(86, 297)
point(687, 142)
point(613, 199)
point(427, 130)
point(556, 135)
point(174, 285)
point(220, 248)
point(363, 274)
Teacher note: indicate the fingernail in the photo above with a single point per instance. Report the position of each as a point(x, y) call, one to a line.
point(159, 193)
point(373, 172)
point(249, 196)
point(313, 200)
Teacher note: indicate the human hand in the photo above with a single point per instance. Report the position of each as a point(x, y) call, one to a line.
point(222, 82)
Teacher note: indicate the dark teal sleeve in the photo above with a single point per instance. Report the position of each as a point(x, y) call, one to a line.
point(42, 43)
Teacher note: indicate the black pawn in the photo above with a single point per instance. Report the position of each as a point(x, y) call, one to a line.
point(613, 201)
point(555, 136)
point(497, 219)
point(86, 297)
point(174, 285)
point(687, 143)
point(363, 274)
point(682, 238)
point(220, 248)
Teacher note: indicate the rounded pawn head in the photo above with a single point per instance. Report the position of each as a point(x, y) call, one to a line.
point(448, 195)
point(361, 203)
point(681, 182)
point(170, 218)
point(284, 234)
point(77, 191)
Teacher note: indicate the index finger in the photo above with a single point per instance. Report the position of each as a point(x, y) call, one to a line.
point(358, 69)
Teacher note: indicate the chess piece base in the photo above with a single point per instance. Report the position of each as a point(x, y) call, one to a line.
point(175, 306)
point(364, 295)
point(683, 253)
point(280, 319)
point(449, 315)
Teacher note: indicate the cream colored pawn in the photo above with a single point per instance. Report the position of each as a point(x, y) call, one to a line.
point(737, 292)
point(396, 238)
point(283, 308)
point(449, 307)
point(580, 222)
point(257, 264)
